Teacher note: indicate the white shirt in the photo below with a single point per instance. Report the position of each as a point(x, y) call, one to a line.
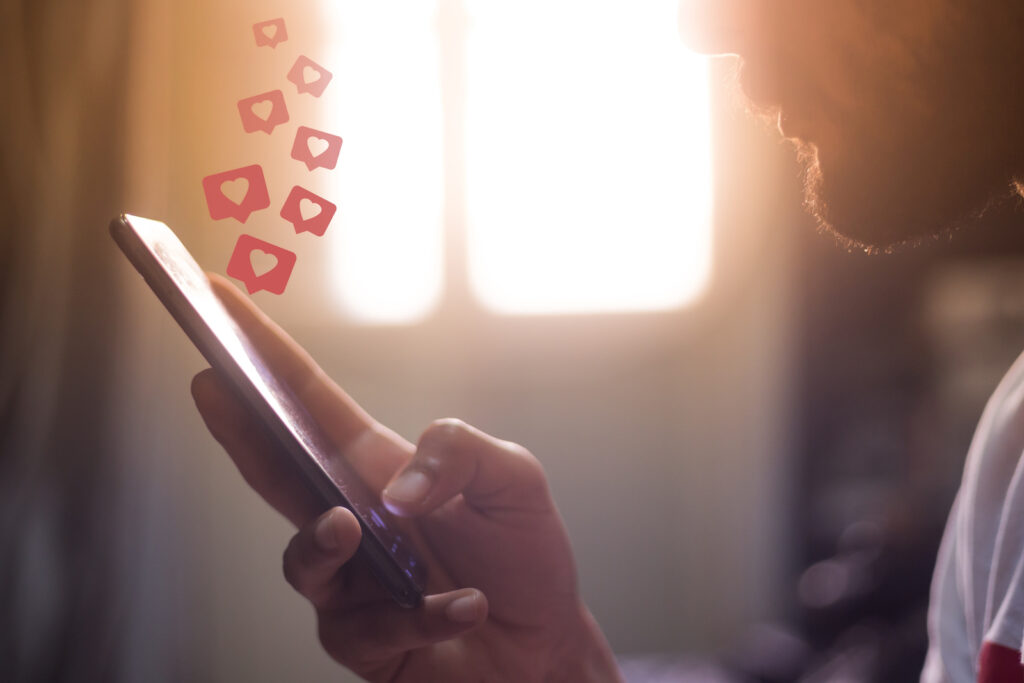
point(977, 597)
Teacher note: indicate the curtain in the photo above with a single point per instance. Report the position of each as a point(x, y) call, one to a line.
point(63, 605)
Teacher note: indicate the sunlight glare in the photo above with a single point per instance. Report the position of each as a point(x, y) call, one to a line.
point(588, 157)
point(387, 257)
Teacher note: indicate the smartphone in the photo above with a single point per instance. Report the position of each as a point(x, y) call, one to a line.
point(178, 281)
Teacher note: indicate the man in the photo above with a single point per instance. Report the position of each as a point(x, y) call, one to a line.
point(906, 115)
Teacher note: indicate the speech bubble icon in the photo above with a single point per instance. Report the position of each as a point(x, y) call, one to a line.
point(263, 112)
point(260, 265)
point(308, 212)
point(316, 148)
point(237, 193)
point(308, 76)
point(270, 33)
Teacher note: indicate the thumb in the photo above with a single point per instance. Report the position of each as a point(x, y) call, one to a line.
point(452, 458)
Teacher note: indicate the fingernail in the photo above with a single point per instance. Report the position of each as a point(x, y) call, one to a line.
point(463, 609)
point(324, 534)
point(410, 487)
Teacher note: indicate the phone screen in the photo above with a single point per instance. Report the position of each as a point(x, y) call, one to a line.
point(179, 282)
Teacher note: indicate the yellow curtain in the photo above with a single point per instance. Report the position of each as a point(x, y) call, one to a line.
point(63, 597)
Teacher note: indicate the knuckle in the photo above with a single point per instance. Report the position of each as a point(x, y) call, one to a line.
point(442, 432)
point(205, 389)
point(290, 565)
point(531, 471)
point(259, 479)
point(522, 453)
point(198, 386)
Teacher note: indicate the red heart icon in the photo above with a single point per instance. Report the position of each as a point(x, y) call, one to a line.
point(308, 212)
point(308, 76)
point(270, 33)
point(316, 148)
point(260, 265)
point(237, 193)
point(263, 112)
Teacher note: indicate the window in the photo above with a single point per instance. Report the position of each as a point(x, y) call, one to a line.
point(588, 169)
point(587, 157)
point(386, 104)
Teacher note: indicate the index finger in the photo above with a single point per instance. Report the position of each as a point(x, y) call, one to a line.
point(373, 450)
point(326, 401)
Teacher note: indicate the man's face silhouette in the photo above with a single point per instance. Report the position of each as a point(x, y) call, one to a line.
point(906, 113)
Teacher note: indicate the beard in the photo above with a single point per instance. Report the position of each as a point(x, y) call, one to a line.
point(911, 153)
point(890, 197)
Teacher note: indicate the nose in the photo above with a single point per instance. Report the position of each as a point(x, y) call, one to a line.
point(717, 27)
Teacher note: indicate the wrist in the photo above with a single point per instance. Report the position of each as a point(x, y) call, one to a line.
point(584, 655)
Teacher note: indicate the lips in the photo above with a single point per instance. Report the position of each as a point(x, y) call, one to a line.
point(780, 98)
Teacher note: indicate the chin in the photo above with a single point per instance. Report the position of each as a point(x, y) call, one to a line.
point(887, 199)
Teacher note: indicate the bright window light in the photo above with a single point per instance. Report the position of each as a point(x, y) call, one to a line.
point(385, 102)
point(588, 157)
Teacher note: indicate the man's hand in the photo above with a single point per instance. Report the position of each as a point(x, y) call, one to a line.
point(503, 603)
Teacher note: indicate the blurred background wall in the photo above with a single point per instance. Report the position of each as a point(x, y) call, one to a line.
point(64, 600)
point(748, 479)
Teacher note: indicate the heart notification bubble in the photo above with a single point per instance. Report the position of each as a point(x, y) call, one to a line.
point(316, 148)
point(308, 212)
point(270, 33)
point(261, 266)
point(236, 194)
point(263, 112)
point(308, 76)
